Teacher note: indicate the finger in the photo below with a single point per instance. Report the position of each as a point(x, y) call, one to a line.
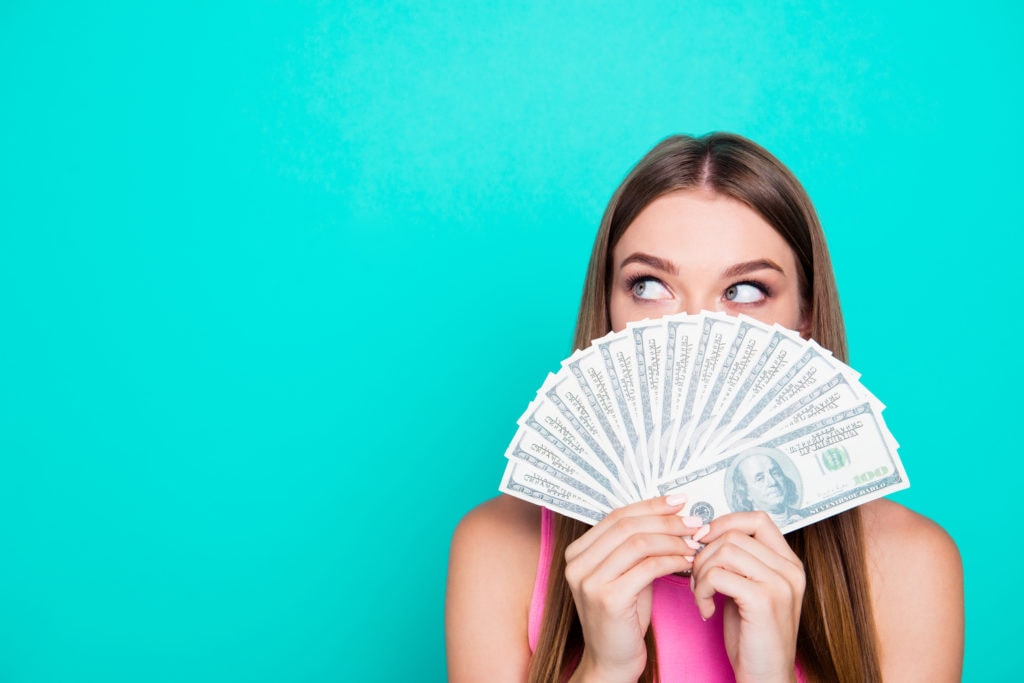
point(755, 599)
point(619, 594)
point(740, 571)
point(628, 540)
point(716, 580)
point(638, 548)
point(662, 505)
point(732, 579)
point(719, 552)
point(756, 524)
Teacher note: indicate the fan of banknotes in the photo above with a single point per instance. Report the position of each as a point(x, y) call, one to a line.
point(737, 414)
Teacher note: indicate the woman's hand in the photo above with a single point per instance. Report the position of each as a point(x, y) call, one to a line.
point(747, 559)
point(610, 570)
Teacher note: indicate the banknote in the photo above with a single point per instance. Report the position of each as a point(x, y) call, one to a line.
point(648, 349)
point(717, 334)
point(601, 389)
point(617, 352)
point(523, 481)
point(737, 414)
point(745, 348)
point(800, 477)
point(562, 431)
point(681, 338)
point(566, 465)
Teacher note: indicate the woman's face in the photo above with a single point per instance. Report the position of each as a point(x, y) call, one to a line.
point(694, 250)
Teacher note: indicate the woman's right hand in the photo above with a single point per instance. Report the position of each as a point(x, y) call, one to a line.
point(610, 570)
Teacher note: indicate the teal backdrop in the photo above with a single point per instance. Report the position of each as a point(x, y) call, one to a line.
point(277, 278)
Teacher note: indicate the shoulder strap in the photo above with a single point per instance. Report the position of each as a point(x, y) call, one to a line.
point(540, 584)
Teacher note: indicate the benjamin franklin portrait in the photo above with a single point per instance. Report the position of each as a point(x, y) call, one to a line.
point(764, 479)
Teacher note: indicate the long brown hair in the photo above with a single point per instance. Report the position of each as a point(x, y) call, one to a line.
point(836, 640)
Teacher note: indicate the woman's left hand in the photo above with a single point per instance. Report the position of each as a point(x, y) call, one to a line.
point(747, 559)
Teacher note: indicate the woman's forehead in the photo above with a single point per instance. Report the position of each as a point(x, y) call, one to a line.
point(700, 228)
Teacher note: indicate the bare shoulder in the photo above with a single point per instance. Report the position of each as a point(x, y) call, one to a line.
point(916, 578)
point(898, 537)
point(499, 539)
point(503, 524)
point(492, 567)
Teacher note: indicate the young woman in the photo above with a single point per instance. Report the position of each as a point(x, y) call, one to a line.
point(875, 593)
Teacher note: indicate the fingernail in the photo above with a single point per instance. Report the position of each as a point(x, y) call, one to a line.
point(676, 499)
point(692, 521)
point(688, 558)
point(702, 532)
point(692, 543)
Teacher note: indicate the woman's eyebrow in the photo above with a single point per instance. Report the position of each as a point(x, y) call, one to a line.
point(657, 262)
point(747, 267)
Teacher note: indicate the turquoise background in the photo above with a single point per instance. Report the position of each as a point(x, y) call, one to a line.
point(277, 278)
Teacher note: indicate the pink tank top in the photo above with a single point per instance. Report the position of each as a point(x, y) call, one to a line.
point(689, 648)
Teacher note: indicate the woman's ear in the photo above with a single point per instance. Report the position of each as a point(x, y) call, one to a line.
point(805, 324)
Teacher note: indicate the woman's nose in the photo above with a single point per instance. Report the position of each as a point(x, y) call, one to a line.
point(693, 306)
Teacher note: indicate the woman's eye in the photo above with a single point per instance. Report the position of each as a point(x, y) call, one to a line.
point(649, 288)
point(744, 293)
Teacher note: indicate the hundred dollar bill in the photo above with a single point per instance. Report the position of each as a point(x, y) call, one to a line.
point(807, 370)
point(735, 412)
point(803, 476)
point(708, 347)
point(648, 337)
point(601, 389)
point(566, 466)
point(571, 399)
point(717, 336)
point(533, 485)
point(776, 357)
point(617, 352)
point(545, 419)
point(831, 396)
point(746, 347)
point(681, 338)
